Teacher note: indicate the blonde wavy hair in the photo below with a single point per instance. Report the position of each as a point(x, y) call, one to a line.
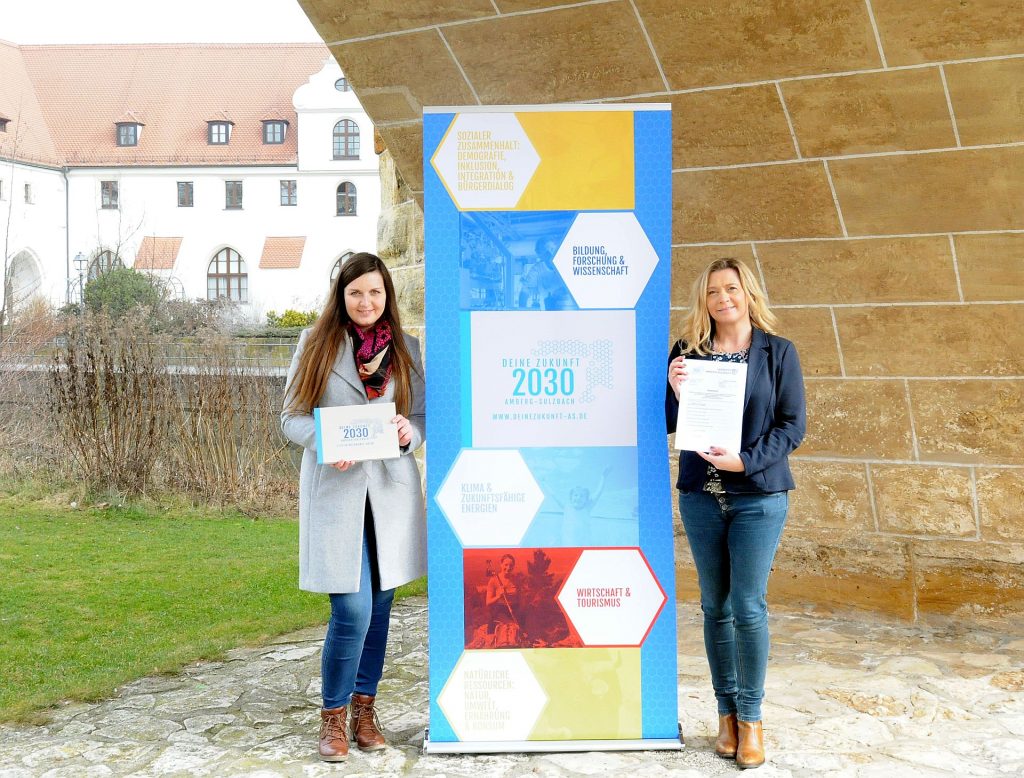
point(699, 327)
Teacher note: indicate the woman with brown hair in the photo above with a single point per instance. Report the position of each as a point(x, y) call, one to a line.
point(361, 524)
point(734, 503)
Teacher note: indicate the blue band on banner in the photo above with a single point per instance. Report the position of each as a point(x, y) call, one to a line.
point(653, 161)
point(444, 404)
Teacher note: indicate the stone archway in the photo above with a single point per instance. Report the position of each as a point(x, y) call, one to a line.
point(864, 158)
point(23, 282)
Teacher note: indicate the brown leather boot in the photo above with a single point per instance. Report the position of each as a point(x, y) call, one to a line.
point(334, 734)
point(365, 726)
point(725, 746)
point(750, 749)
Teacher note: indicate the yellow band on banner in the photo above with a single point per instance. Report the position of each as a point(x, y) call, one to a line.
point(593, 693)
point(586, 161)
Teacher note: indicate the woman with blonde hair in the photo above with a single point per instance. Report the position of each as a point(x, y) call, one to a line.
point(733, 503)
point(361, 524)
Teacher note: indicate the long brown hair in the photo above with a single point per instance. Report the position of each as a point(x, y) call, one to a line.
point(329, 332)
point(698, 325)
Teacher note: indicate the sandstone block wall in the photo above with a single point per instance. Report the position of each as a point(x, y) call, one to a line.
point(867, 157)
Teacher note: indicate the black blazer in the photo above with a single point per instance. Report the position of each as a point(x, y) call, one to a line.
point(774, 420)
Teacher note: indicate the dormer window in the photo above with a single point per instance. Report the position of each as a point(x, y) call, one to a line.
point(218, 133)
point(274, 130)
point(3, 124)
point(128, 133)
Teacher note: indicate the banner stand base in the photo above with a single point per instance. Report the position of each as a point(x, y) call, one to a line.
point(549, 746)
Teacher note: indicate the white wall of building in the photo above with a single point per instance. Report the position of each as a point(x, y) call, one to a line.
point(320, 107)
point(34, 229)
point(148, 206)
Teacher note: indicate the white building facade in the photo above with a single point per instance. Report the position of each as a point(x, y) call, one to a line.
point(240, 173)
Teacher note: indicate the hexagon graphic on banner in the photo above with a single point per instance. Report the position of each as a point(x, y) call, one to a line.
point(612, 597)
point(492, 695)
point(485, 161)
point(489, 497)
point(606, 260)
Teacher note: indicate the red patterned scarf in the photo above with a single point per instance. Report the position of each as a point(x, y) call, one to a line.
point(373, 356)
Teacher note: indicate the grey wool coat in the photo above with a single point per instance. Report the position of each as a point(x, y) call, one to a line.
point(331, 502)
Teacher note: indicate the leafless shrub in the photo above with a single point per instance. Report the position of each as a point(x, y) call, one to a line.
point(121, 406)
point(24, 436)
point(108, 401)
point(226, 445)
point(187, 318)
point(32, 326)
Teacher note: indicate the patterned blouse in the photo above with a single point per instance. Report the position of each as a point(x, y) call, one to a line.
point(713, 484)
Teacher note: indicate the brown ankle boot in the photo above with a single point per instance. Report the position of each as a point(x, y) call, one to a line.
point(725, 746)
point(750, 749)
point(333, 734)
point(365, 726)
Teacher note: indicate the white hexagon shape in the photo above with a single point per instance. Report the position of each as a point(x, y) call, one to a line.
point(485, 161)
point(606, 260)
point(612, 597)
point(492, 695)
point(489, 497)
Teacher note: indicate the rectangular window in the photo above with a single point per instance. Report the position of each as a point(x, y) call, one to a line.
point(219, 133)
point(232, 194)
point(273, 132)
point(127, 135)
point(184, 194)
point(108, 194)
point(235, 288)
point(3, 125)
point(28, 194)
point(289, 193)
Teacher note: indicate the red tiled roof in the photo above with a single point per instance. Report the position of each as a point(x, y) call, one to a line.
point(157, 253)
point(129, 117)
point(173, 89)
point(282, 252)
point(27, 137)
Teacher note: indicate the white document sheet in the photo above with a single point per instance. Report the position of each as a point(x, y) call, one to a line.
point(711, 406)
point(356, 432)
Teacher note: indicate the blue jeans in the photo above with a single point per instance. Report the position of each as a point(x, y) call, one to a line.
point(733, 548)
point(357, 634)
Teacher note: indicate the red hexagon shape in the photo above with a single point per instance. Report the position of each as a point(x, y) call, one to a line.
point(612, 597)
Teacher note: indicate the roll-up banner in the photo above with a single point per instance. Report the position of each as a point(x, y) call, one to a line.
point(551, 570)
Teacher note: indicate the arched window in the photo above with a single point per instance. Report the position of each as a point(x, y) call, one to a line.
point(337, 265)
point(346, 199)
point(102, 263)
point(346, 140)
point(226, 278)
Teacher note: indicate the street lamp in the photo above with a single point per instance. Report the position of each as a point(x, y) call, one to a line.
point(80, 261)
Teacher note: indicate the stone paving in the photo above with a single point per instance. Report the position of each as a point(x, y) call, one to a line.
point(845, 699)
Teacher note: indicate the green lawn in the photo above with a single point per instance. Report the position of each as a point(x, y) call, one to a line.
point(92, 598)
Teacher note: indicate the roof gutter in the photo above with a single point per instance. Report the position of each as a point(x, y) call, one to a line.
point(38, 165)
